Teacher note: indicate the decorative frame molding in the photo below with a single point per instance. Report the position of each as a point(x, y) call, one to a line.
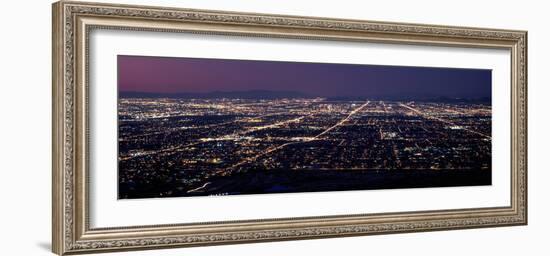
point(72, 22)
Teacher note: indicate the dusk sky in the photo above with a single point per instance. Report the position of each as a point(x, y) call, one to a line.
point(193, 75)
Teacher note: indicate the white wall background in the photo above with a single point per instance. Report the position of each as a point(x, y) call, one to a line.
point(25, 149)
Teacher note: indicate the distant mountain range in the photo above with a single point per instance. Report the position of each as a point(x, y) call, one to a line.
point(441, 99)
point(255, 94)
point(266, 94)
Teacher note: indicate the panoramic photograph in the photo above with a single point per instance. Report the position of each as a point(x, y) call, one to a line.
point(220, 127)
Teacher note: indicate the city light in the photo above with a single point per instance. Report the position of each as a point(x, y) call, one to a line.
point(186, 146)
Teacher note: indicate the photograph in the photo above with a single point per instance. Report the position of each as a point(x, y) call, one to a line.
point(198, 125)
point(220, 127)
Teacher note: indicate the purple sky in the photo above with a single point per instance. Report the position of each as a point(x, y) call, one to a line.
point(193, 75)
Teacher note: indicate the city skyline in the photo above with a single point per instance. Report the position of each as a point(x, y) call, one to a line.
point(171, 75)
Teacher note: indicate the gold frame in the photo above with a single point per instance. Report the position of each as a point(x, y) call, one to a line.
point(72, 22)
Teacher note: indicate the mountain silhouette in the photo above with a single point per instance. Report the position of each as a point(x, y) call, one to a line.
point(254, 94)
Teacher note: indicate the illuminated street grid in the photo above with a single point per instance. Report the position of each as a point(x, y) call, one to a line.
point(177, 146)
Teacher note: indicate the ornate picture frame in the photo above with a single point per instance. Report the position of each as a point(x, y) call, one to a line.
point(72, 23)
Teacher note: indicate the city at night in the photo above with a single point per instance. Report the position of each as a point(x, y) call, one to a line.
point(257, 127)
